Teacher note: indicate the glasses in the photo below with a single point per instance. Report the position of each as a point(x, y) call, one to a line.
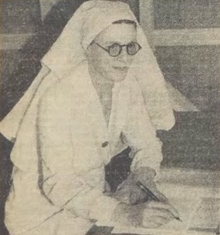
point(115, 49)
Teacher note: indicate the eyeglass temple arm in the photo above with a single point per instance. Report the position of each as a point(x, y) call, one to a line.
point(101, 46)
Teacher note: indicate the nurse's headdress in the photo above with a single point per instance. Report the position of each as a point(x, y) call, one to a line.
point(69, 51)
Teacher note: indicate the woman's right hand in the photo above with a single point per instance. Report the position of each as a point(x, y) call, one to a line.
point(156, 214)
point(149, 215)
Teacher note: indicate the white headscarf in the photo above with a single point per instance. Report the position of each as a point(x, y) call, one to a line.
point(69, 50)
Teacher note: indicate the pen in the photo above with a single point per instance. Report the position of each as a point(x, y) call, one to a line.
point(152, 196)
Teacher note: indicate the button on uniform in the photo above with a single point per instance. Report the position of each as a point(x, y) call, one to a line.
point(105, 144)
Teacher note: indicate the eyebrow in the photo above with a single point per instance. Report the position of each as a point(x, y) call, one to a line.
point(113, 42)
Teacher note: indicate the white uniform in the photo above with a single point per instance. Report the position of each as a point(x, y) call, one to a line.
point(62, 187)
point(59, 155)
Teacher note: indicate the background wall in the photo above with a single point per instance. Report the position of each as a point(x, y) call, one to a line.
point(185, 35)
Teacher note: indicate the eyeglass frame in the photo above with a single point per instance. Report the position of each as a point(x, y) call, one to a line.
point(121, 47)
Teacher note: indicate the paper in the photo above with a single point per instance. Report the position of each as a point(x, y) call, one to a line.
point(207, 216)
point(199, 216)
point(142, 231)
point(186, 208)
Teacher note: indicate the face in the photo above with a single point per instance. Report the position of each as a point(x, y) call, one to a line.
point(112, 68)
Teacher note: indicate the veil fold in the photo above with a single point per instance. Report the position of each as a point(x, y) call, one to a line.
point(69, 51)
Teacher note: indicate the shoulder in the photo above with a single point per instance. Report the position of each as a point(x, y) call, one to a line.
point(63, 88)
point(56, 99)
point(61, 94)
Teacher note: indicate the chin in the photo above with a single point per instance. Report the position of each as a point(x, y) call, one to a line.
point(118, 77)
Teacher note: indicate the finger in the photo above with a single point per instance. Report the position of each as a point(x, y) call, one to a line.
point(165, 206)
point(156, 204)
point(122, 197)
point(151, 224)
point(120, 186)
point(161, 219)
point(123, 187)
point(167, 215)
point(138, 196)
point(164, 213)
point(126, 183)
point(155, 222)
point(174, 210)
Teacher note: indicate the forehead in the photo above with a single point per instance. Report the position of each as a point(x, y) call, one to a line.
point(120, 33)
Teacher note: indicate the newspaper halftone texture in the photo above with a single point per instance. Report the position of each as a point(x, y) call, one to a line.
point(99, 97)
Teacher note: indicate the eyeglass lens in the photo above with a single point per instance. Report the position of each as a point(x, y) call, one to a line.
point(116, 49)
point(133, 48)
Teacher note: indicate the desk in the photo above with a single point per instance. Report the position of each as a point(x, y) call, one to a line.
point(182, 183)
point(107, 231)
point(100, 231)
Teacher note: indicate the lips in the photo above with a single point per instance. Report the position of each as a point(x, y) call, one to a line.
point(121, 68)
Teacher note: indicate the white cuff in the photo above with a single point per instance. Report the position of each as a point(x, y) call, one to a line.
point(141, 159)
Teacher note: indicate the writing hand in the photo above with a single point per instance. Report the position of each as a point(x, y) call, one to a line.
point(156, 214)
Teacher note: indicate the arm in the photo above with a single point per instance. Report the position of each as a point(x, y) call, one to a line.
point(140, 135)
point(146, 153)
point(64, 187)
point(55, 149)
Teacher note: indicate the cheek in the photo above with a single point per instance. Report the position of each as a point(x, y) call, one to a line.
point(130, 60)
point(103, 63)
point(97, 58)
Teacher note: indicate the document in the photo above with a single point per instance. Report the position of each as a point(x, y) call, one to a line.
point(186, 208)
point(192, 212)
point(207, 216)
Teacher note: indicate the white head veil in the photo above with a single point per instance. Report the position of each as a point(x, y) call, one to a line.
point(69, 50)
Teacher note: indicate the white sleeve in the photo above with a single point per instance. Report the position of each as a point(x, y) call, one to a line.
point(140, 136)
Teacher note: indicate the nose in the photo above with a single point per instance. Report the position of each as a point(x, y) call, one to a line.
point(123, 57)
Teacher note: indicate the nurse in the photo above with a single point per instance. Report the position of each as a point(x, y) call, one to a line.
point(99, 91)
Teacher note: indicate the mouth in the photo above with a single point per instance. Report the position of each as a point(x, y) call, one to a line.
point(121, 68)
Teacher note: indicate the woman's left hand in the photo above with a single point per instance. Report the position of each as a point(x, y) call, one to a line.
point(130, 194)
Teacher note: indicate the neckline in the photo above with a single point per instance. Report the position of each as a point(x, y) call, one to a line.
point(83, 79)
point(114, 90)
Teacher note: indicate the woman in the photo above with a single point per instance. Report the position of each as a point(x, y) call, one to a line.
point(99, 92)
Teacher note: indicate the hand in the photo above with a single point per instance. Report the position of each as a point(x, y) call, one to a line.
point(156, 214)
point(130, 194)
point(149, 215)
point(128, 191)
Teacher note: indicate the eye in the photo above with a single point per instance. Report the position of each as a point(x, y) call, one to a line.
point(133, 48)
point(114, 49)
